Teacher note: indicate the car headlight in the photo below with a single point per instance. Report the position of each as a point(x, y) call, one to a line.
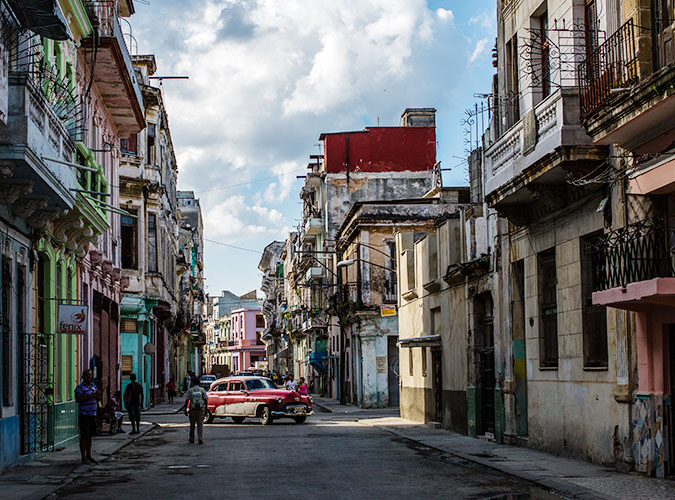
point(311, 399)
point(279, 400)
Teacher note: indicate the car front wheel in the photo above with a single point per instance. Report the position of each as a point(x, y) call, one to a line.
point(266, 416)
point(300, 420)
point(208, 417)
point(238, 420)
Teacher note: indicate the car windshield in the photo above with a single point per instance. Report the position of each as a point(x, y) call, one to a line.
point(258, 384)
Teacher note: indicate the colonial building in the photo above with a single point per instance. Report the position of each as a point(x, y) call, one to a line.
point(149, 246)
point(61, 119)
point(189, 337)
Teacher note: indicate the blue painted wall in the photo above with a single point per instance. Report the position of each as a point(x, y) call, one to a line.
point(9, 442)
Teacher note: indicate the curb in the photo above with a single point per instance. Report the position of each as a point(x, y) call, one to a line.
point(323, 407)
point(48, 491)
point(558, 485)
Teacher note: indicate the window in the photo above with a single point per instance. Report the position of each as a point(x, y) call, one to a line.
point(423, 352)
point(236, 386)
point(510, 102)
point(390, 284)
point(548, 310)
point(259, 321)
point(150, 155)
point(127, 366)
point(545, 56)
point(591, 26)
point(129, 241)
point(128, 325)
point(594, 317)
point(410, 361)
point(129, 145)
point(152, 243)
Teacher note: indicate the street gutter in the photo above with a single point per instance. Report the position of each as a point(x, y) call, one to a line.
point(49, 491)
point(557, 485)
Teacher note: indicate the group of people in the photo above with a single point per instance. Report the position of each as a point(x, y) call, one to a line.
point(300, 386)
point(88, 398)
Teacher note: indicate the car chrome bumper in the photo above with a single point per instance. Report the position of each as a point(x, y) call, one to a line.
point(291, 413)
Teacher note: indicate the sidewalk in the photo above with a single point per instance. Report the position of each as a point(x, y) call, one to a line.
point(39, 478)
point(165, 408)
point(574, 477)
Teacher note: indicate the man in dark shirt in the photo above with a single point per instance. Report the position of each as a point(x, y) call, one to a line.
point(133, 400)
point(86, 395)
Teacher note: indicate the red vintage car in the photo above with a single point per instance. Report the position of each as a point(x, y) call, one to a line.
point(251, 396)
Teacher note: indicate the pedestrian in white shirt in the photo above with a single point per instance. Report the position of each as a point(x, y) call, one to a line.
point(291, 384)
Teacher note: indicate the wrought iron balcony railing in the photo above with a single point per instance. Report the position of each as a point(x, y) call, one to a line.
point(637, 252)
point(611, 66)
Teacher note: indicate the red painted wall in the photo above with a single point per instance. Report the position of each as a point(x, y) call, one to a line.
point(382, 149)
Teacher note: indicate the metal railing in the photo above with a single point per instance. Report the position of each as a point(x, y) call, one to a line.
point(637, 252)
point(611, 66)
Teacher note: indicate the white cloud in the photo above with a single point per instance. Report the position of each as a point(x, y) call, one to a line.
point(485, 20)
point(445, 15)
point(267, 77)
point(234, 220)
point(479, 50)
point(280, 189)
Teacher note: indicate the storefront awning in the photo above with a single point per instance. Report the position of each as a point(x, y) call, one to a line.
point(426, 341)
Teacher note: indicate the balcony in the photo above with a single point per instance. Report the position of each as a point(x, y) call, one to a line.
point(114, 73)
point(526, 170)
point(315, 273)
point(314, 323)
point(627, 90)
point(32, 183)
point(635, 266)
point(314, 226)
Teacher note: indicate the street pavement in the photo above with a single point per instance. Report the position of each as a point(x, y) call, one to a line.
point(345, 452)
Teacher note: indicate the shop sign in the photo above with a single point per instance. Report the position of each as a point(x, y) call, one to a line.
point(387, 311)
point(72, 319)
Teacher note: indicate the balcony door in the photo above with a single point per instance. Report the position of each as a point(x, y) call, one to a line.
point(663, 52)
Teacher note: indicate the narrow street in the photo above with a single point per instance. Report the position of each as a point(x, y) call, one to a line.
point(330, 456)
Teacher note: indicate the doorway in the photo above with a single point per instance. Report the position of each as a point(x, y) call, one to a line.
point(519, 348)
point(670, 413)
point(485, 361)
point(392, 371)
point(437, 383)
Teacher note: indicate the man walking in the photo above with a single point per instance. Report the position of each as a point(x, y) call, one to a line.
point(86, 395)
point(198, 399)
point(133, 400)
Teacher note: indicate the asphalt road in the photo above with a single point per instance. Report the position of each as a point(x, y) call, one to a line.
point(329, 456)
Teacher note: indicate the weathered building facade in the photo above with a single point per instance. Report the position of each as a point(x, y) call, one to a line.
point(61, 122)
point(149, 245)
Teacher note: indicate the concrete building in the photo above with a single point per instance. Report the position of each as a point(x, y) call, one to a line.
point(377, 163)
point(272, 286)
point(368, 308)
point(60, 120)
point(187, 345)
point(221, 342)
point(632, 261)
point(149, 246)
point(246, 347)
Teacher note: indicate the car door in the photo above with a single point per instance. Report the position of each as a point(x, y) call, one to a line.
point(235, 398)
point(217, 399)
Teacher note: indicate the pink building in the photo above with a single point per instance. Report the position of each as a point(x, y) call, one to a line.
point(245, 344)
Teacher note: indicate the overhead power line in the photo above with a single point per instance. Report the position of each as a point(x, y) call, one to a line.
point(233, 246)
point(251, 181)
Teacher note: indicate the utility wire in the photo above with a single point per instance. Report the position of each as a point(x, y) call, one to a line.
point(251, 181)
point(233, 246)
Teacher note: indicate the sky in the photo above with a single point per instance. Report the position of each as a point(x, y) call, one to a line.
point(267, 77)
